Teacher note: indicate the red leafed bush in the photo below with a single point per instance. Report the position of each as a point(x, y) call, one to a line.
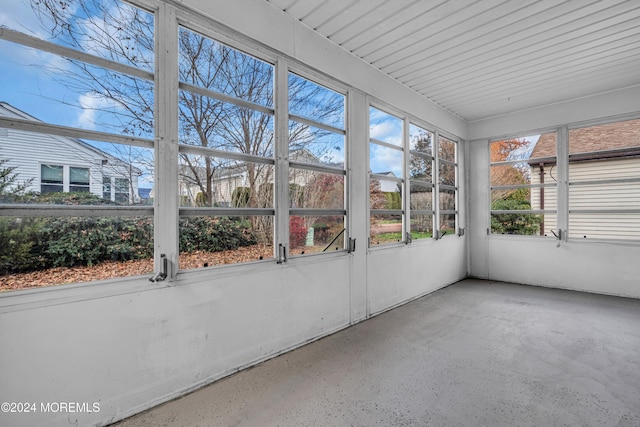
point(297, 232)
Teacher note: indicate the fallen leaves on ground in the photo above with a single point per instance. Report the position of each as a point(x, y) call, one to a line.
point(113, 269)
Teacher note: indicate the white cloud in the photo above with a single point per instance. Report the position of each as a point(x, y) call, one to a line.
point(92, 105)
point(383, 159)
point(386, 131)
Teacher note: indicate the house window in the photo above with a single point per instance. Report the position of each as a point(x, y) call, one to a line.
point(121, 188)
point(523, 185)
point(604, 181)
point(51, 179)
point(78, 179)
point(386, 178)
point(106, 187)
point(56, 178)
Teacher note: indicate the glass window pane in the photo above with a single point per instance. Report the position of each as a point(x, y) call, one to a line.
point(108, 29)
point(612, 225)
point(78, 179)
point(51, 251)
point(421, 226)
point(512, 199)
point(314, 102)
point(212, 65)
point(605, 195)
point(122, 190)
point(206, 241)
point(525, 148)
point(421, 196)
point(308, 144)
point(517, 223)
point(604, 175)
point(385, 127)
point(51, 174)
point(210, 123)
point(447, 149)
point(384, 194)
point(420, 140)
point(124, 163)
point(448, 225)
point(447, 174)
point(316, 190)
point(68, 92)
point(385, 229)
point(447, 200)
point(385, 160)
point(608, 141)
point(215, 182)
point(314, 234)
point(511, 174)
point(82, 96)
point(106, 187)
point(420, 167)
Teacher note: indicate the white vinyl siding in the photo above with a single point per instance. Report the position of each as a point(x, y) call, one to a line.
point(593, 186)
point(46, 149)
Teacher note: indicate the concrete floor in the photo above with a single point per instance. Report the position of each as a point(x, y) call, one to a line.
point(476, 353)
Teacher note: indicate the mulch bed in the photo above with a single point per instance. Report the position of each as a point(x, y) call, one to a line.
point(110, 270)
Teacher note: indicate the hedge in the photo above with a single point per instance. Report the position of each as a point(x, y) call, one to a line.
point(31, 244)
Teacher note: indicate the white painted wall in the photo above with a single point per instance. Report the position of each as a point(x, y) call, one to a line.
point(608, 268)
point(128, 344)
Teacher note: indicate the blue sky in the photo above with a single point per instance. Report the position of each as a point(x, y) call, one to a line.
point(24, 82)
point(387, 128)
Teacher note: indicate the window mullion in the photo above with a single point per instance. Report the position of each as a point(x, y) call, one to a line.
point(436, 184)
point(281, 202)
point(563, 181)
point(406, 184)
point(166, 201)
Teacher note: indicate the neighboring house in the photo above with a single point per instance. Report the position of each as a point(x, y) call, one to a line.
point(388, 186)
point(224, 181)
point(60, 164)
point(227, 178)
point(597, 155)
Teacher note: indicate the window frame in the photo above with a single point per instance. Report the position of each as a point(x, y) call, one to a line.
point(556, 185)
point(399, 181)
point(84, 211)
point(406, 212)
point(570, 183)
point(439, 161)
point(317, 79)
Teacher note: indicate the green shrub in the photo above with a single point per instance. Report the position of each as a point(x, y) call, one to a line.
point(393, 200)
point(514, 223)
point(19, 251)
point(214, 234)
point(70, 241)
point(60, 198)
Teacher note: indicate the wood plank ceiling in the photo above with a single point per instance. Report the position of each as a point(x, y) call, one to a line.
point(484, 58)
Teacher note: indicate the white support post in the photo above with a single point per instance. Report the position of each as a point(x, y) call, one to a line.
point(358, 201)
point(166, 195)
point(562, 189)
